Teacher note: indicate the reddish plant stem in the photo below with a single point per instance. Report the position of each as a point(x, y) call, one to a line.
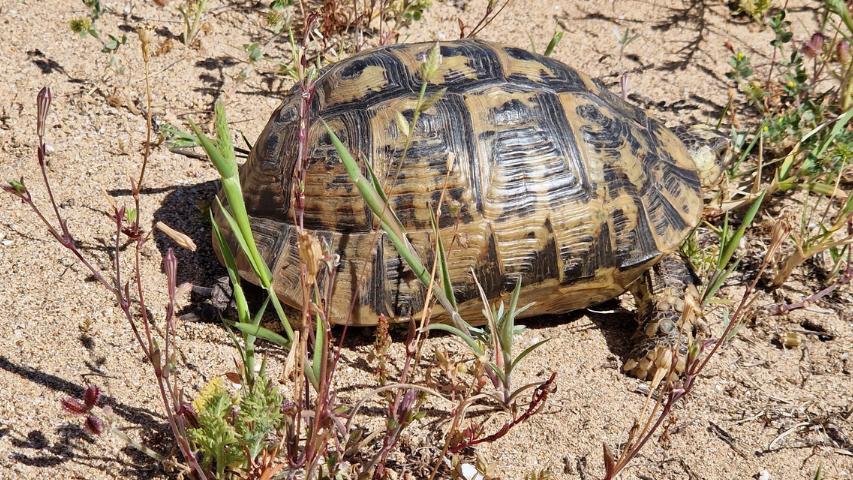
point(692, 373)
point(540, 395)
point(118, 289)
point(783, 308)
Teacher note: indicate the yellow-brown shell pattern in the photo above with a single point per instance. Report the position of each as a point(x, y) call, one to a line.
point(549, 178)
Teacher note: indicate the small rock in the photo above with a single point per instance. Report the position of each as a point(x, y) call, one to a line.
point(791, 339)
point(469, 472)
point(764, 475)
point(569, 464)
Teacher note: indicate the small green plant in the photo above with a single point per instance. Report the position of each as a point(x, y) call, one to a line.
point(408, 11)
point(624, 38)
point(254, 52)
point(804, 125)
point(192, 12)
point(277, 17)
point(85, 26)
point(233, 430)
point(755, 9)
point(555, 40)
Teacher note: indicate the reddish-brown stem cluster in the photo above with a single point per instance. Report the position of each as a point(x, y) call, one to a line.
point(673, 393)
point(134, 311)
point(537, 401)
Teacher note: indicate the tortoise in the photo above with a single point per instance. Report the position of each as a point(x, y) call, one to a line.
point(550, 179)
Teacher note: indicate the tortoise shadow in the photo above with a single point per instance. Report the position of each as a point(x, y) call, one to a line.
point(185, 209)
point(616, 324)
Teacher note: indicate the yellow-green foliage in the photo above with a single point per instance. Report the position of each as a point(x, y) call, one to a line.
point(755, 8)
point(215, 438)
point(233, 430)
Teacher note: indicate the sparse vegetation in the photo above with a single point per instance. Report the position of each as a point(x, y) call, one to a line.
point(789, 121)
point(792, 141)
point(192, 12)
point(86, 27)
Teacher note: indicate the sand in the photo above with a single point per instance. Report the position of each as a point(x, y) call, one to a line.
point(60, 330)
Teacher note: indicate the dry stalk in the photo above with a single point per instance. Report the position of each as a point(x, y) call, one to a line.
point(672, 394)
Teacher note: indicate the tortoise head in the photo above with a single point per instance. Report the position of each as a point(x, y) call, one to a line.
point(710, 149)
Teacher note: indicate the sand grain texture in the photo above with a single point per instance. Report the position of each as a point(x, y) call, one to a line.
point(59, 330)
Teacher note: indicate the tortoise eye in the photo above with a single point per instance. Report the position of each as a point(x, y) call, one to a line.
point(287, 114)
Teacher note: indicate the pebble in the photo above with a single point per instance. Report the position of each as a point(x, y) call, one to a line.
point(469, 472)
point(764, 475)
point(569, 464)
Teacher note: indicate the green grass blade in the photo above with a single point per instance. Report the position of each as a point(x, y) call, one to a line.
point(392, 226)
point(377, 185)
point(724, 237)
point(279, 311)
point(500, 373)
point(468, 339)
point(717, 281)
point(508, 322)
point(729, 247)
point(226, 168)
point(223, 135)
point(441, 258)
point(262, 332)
point(525, 353)
point(241, 240)
point(732, 244)
point(396, 232)
point(319, 340)
point(558, 35)
point(233, 275)
point(837, 129)
point(222, 156)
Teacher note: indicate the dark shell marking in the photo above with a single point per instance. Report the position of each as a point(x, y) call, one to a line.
point(556, 180)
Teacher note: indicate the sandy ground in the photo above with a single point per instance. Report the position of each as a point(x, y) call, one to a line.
point(59, 330)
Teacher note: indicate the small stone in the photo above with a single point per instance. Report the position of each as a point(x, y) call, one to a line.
point(764, 475)
point(569, 464)
point(791, 340)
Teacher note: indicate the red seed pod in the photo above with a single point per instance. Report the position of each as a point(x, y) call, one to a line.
point(91, 396)
point(187, 411)
point(94, 425)
point(73, 405)
point(43, 103)
point(814, 46)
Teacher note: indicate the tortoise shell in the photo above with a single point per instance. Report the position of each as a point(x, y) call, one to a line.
point(549, 177)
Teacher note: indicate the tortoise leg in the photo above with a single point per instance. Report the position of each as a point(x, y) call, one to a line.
point(667, 303)
point(215, 301)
